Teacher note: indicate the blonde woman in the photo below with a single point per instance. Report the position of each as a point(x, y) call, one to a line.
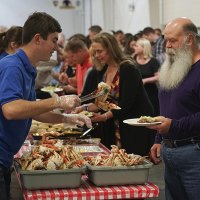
point(127, 92)
point(148, 66)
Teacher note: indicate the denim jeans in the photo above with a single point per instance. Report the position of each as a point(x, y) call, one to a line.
point(5, 179)
point(182, 172)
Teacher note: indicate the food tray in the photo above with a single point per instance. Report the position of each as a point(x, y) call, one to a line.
point(88, 148)
point(104, 176)
point(51, 179)
point(89, 141)
point(61, 137)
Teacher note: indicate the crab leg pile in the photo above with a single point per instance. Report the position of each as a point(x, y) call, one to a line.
point(49, 156)
point(118, 157)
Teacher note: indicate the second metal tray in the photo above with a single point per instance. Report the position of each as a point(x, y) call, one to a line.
point(103, 175)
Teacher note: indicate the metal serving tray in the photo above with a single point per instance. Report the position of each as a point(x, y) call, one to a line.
point(103, 175)
point(51, 179)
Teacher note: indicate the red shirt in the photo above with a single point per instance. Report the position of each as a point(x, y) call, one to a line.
point(81, 71)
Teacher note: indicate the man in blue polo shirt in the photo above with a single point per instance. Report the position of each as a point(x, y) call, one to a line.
point(18, 102)
point(179, 95)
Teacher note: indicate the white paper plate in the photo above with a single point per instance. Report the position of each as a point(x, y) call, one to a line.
point(134, 122)
point(58, 90)
point(51, 89)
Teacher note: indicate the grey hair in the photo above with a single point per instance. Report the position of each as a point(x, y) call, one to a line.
point(190, 28)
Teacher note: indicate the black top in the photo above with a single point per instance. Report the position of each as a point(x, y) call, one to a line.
point(133, 101)
point(132, 96)
point(94, 77)
point(148, 70)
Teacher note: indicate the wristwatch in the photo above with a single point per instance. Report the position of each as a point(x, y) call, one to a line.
point(86, 107)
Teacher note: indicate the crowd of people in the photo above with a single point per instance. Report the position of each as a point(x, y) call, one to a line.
point(151, 73)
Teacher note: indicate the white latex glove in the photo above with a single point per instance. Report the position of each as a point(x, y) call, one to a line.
point(76, 119)
point(67, 102)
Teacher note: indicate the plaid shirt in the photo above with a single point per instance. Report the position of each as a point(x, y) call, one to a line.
point(159, 50)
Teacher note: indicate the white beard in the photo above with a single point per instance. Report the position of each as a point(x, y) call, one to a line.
point(175, 67)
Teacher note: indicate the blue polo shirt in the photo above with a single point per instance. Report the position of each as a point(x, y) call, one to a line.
point(182, 105)
point(3, 54)
point(17, 81)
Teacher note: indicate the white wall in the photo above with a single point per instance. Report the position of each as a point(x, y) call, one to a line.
point(116, 14)
point(15, 12)
point(155, 13)
point(181, 8)
point(93, 13)
point(133, 20)
point(110, 14)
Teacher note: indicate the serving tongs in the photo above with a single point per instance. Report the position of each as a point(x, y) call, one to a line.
point(90, 96)
point(93, 95)
point(89, 130)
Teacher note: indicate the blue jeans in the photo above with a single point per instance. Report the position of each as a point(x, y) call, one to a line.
point(5, 179)
point(182, 172)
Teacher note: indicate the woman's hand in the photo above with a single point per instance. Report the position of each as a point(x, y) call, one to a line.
point(152, 79)
point(144, 81)
point(99, 117)
point(63, 78)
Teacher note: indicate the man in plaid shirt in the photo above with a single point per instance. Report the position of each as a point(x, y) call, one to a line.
point(157, 43)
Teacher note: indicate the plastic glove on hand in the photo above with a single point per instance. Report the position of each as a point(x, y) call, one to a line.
point(76, 119)
point(79, 109)
point(67, 102)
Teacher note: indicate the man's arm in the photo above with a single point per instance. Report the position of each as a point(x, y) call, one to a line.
point(49, 117)
point(23, 109)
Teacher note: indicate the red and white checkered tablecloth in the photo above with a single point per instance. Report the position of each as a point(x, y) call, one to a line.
point(88, 191)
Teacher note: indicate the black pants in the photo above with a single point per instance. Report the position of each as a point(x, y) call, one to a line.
point(5, 179)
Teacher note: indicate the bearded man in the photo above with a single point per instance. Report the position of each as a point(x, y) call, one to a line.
point(179, 133)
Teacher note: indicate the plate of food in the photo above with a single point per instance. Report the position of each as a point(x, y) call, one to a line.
point(106, 106)
point(87, 113)
point(39, 129)
point(51, 89)
point(142, 121)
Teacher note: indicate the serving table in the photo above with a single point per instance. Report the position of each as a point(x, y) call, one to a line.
point(88, 191)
